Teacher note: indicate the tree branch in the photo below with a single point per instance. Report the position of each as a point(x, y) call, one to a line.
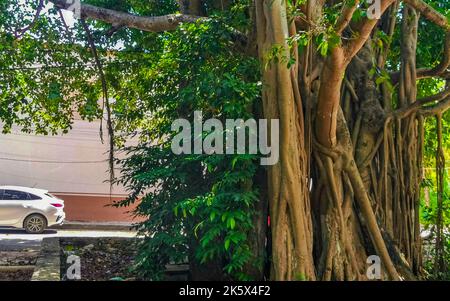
point(443, 65)
point(438, 108)
point(437, 18)
point(364, 29)
point(430, 13)
point(418, 105)
point(439, 70)
point(21, 32)
point(346, 16)
point(151, 24)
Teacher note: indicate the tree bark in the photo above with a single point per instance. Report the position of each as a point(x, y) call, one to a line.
point(289, 207)
point(151, 24)
point(350, 167)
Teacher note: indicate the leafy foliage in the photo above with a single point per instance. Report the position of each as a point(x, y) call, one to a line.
point(42, 81)
point(197, 207)
point(48, 75)
point(194, 70)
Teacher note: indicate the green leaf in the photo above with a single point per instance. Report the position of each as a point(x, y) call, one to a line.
point(232, 223)
point(227, 244)
point(323, 48)
point(334, 40)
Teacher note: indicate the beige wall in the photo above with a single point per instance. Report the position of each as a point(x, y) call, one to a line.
point(81, 144)
point(23, 162)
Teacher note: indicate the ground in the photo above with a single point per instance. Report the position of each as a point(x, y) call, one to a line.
point(101, 259)
point(19, 249)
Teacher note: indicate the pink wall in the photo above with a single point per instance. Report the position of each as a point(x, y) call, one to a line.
point(95, 209)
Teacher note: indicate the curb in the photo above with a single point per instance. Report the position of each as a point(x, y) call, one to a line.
point(94, 226)
point(48, 263)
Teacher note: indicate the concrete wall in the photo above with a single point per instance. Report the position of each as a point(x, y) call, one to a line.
point(73, 166)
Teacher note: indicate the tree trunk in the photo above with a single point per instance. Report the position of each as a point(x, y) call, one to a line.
point(358, 193)
point(289, 206)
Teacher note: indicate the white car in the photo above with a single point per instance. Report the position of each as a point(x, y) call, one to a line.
point(29, 208)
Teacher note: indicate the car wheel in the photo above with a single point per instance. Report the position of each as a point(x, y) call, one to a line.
point(35, 224)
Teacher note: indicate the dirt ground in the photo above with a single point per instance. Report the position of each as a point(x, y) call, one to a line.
point(101, 259)
point(21, 275)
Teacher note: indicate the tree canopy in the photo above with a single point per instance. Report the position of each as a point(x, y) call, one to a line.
point(362, 163)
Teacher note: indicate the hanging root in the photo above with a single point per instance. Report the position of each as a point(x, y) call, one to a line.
point(439, 264)
point(105, 104)
point(369, 216)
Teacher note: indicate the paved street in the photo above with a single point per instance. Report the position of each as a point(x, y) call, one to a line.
point(16, 239)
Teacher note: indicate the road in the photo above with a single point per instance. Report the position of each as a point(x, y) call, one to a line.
point(18, 240)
